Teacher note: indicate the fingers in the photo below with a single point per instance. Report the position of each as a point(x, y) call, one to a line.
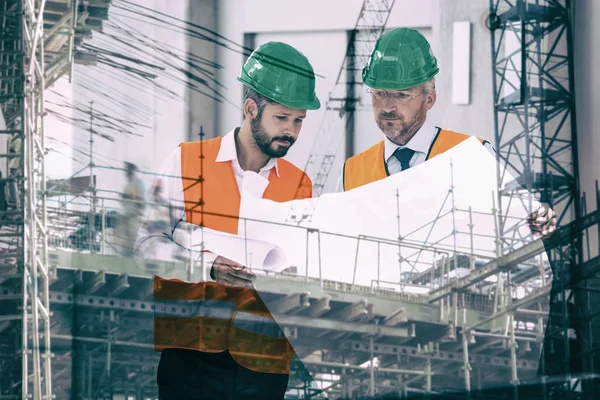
point(222, 261)
point(230, 280)
point(236, 270)
point(229, 272)
point(542, 222)
point(242, 274)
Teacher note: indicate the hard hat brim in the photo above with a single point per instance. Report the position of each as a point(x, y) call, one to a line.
point(393, 85)
point(313, 104)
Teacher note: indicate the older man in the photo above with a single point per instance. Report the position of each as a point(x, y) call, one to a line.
point(400, 77)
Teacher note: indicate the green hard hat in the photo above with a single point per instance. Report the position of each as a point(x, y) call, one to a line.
point(402, 58)
point(283, 74)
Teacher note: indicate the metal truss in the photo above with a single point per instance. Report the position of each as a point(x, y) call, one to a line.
point(536, 139)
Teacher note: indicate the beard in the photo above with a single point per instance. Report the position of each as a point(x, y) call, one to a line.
point(266, 143)
point(405, 131)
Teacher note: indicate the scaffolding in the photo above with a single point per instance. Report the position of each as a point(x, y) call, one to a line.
point(38, 45)
point(536, 135)
point(371, 339)
point(23, 108)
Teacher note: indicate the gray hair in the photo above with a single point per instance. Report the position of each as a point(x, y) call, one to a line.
point(260, 100)
point(428, 86)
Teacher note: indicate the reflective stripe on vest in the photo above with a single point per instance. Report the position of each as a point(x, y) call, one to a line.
point(369, 166)
point(195, 308)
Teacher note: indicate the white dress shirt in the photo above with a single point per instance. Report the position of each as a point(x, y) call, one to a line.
point(155, 237)
point(420, 143)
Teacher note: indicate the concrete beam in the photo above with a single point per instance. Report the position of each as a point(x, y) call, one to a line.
point(290, 304)
point(92, 284)
point(318, 308)
point(118, 285)
point(395, 318)
point(441, 355)
point(352, 312)
point(282, 319)
point(336, 325)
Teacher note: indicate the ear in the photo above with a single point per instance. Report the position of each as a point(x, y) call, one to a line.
point(430, 99)
point(250, 109)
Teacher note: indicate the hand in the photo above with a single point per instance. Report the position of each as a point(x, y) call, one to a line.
point(227, 272)
point(542, 222)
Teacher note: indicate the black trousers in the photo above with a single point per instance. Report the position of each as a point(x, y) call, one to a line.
point(194, 375)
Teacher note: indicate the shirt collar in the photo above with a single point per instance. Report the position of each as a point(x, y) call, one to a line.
point(420, 142)
point(228, 152)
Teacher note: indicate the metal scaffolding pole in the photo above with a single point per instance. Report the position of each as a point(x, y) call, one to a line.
point(36, 315)
point(23, 105)
point(25, 254)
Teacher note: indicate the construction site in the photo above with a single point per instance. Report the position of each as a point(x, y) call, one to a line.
point(76, 312)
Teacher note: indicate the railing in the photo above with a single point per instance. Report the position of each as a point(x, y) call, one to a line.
point(95, 225)
point(72, 227)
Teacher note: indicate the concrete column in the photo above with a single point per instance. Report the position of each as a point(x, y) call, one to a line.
point(201, 109)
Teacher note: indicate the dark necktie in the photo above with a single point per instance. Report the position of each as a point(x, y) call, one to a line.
point(404, 155)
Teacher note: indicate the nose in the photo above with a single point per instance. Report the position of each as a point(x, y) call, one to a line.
point(290, 129)
point(389, 105)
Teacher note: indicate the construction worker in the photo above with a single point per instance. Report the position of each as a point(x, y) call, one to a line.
point(400, 76)
point(133, 208)
point(229, 346)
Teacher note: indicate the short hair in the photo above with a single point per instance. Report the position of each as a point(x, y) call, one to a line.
point(260, 100)
point(428, 86)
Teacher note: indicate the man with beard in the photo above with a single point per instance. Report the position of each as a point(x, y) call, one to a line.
point(400, 77)
point(229, 346)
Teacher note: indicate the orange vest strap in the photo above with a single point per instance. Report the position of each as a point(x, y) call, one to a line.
point(445, 140)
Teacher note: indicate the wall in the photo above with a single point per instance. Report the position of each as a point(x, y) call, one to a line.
point(587, 81)
point(202, 109)
point(476, 118)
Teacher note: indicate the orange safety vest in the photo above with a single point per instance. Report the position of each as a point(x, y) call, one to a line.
point(370, 166)
point(208, 316)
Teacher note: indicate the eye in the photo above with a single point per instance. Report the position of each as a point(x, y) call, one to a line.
point(281, 117)
point(299, 121)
